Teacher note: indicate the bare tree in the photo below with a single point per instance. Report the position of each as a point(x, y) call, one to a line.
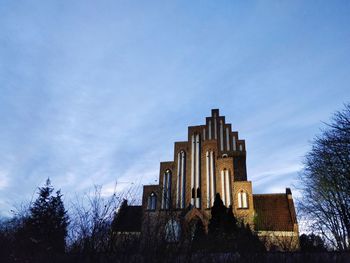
point(326, 182)
point(91, 219)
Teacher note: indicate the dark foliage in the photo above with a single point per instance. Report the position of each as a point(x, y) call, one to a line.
point(118, 217)
point(311, 243)
point(43, 231)
point(199, 241)
point(47, 223)
point(218, 217)
point(225, 234)
point(8, 229)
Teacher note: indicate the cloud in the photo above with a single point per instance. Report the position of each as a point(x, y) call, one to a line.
point(96, 93)
point(4, 179)
point(276, 182)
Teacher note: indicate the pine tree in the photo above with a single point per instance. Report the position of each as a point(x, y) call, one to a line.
point(48, 221)
point(218, 216)
point(231, 221)
point(218, 226)
point(226, 234)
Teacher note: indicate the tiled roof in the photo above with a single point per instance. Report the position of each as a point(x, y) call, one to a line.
point(129, 220)
point(274, 212)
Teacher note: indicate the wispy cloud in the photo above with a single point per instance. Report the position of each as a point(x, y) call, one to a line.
point(96, 93)
point(4, 179)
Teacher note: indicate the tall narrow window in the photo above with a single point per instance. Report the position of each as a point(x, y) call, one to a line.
point(228, 188)
point(209, 129)
point(178, 181)
point(198, 172)
point(180, 185)
point(215, 129)
point(166, 200)
point(223, 195)
point(210, 178)
point(183, 180)
point(242, 199)
point(245, 201)
point(221, 136)
point(207, 162)
point(152, 201)
point(195, 171)
point(193, 149)
point(227, 138)
point(225, 187)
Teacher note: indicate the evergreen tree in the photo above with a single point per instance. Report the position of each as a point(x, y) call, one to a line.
point(248, 241)
point(231, 221)
point(220, 226)
point(226, 234)
point(47, 223)
point(218, 216)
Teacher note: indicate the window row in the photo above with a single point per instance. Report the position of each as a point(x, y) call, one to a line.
point(242, 201)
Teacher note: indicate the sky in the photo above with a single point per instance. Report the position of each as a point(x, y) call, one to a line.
point(97, 92)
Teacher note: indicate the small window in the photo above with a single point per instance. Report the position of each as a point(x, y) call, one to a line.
point(242, 199)
point(152, 201)
point(224, 155)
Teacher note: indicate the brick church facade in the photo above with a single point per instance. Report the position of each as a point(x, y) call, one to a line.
point(213, 160)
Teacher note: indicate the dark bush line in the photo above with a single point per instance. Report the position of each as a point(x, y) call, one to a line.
point(265, 257)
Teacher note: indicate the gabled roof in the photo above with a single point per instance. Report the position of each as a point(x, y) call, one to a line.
point(129, 220)
point(194, 212)
point(274, 212)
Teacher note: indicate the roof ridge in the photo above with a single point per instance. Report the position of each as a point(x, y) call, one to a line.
point(270, 194)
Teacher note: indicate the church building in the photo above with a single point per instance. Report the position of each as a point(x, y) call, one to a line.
point(213, 160)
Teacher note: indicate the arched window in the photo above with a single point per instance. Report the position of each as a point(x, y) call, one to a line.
point(152, 201)
point(242, 199)
point(181, 182)
point(210, 168)
point(226, 187)
point(195, 227)
point(196, 170)
point(172, 231)
point(166, 200)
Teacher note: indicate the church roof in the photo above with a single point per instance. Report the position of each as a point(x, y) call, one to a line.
point(130, 220)
point(274, 212)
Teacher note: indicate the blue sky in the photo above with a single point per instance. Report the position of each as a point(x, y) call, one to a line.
point(94, 92)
